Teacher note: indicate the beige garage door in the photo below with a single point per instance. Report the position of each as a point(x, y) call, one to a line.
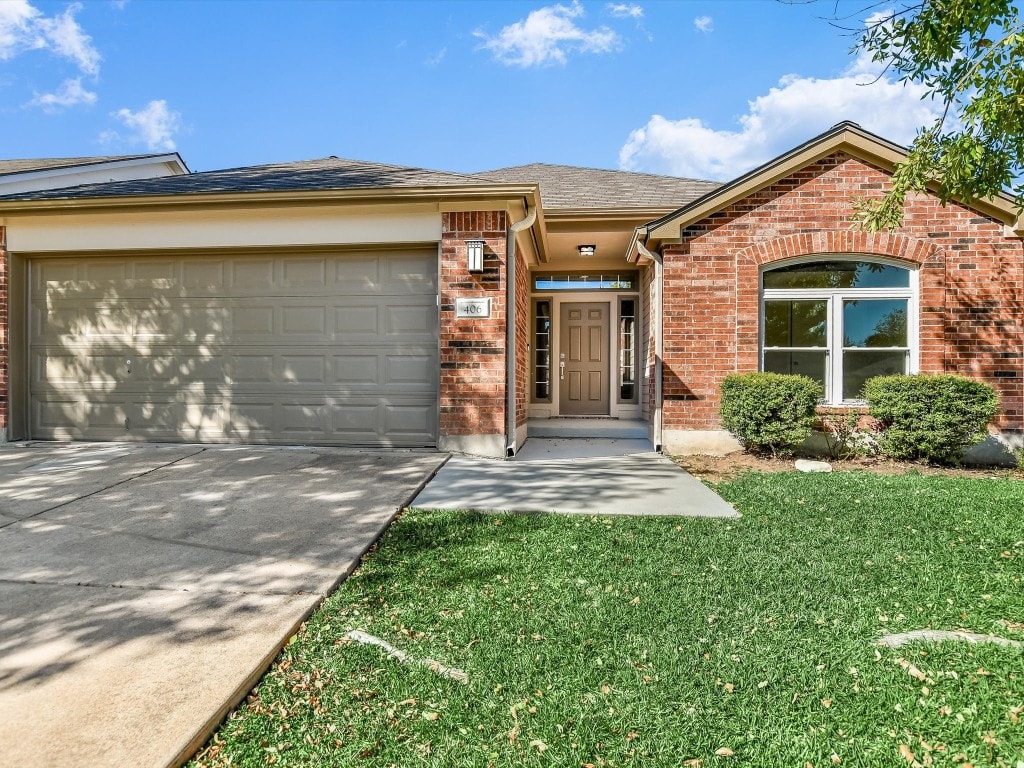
point(331, 348)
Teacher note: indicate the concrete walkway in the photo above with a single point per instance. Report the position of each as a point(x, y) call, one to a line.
point(579, 476)
point(145, 588)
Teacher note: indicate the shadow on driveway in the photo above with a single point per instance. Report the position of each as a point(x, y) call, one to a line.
point(144, 587)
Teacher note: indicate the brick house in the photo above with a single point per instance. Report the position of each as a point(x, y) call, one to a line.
point(349, 303)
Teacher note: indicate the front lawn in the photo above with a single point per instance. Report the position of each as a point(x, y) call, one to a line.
point(669, 642)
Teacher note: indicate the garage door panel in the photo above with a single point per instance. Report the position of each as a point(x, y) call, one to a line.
point(253, 276)
point(282, 360)
point(68, 370)
point(392, 369)
point(410, 319)
point(68, 325)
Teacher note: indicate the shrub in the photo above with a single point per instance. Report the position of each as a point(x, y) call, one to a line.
point(769, 412)
point(845, 438)
point(930, 417)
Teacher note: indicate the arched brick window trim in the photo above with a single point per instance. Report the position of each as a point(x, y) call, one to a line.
point(927, 256)
point(892, 245)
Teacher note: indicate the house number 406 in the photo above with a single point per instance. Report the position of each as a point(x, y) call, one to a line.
point(472, 307)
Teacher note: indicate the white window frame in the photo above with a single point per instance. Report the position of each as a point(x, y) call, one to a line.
point(834, 298)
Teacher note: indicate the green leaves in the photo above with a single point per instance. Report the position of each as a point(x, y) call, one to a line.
point(970, 55)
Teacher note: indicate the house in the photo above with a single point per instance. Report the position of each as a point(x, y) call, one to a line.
point(351, 303)
point(17, 176)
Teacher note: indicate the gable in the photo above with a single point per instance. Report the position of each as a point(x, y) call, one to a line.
point(846, 140)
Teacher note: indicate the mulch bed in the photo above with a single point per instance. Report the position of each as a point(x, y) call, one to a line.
point(715, 469)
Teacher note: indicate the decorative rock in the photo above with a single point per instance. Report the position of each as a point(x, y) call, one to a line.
point(941, 635)
point(806, 465)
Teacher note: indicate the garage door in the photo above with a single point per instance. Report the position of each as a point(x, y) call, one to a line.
point(335, 348)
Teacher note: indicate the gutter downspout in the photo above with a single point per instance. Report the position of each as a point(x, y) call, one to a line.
point(659, 337)
point(510, 328)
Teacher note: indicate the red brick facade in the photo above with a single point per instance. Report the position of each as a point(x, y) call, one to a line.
point(473, 350)
point(524, 321)
point(971, 312)
point(4, 375)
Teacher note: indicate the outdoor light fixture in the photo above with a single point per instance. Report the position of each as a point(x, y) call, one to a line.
point(475, 255)
point(586, 250)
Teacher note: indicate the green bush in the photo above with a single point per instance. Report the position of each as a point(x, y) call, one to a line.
point(769, 412)
point(930, 417)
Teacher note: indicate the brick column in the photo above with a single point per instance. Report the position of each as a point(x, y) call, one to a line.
point(473, 349)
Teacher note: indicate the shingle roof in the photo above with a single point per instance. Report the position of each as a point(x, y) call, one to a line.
point(307, 175)
point(566, 186)
point(51, 163)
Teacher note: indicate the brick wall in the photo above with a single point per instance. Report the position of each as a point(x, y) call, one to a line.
point(971, 284)
point(473, 350)
point(4, 304)
point(523, 330)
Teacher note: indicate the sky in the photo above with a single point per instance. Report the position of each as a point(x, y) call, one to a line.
point(702, 88)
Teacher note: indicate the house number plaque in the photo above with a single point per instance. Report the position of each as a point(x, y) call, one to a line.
point(472, 308)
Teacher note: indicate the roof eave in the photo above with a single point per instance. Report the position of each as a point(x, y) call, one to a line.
point(618, 213)
point(170, 158)
point(292, 197)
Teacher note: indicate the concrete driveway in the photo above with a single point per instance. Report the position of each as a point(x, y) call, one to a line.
point(145, 588)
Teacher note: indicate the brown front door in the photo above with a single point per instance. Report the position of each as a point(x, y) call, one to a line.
point(583, 360)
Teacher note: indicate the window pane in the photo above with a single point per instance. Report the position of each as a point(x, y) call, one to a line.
point(613, 281)
point(627, 350)
point(810, 364)
point(837, 274)
point(861, 365)
point(875, 323)
point(542, 350)
point(795, 323)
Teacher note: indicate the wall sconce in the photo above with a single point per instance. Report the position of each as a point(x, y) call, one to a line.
point(475, 255)
point(586, 250)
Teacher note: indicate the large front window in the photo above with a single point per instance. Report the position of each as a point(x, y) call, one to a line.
point(838, 321)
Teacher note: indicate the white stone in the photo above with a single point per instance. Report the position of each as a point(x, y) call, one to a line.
point(806, 465)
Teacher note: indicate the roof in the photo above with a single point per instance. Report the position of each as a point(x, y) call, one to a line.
point(567, 186)
point(847, 137)
point(329, 173)
point(8, 167)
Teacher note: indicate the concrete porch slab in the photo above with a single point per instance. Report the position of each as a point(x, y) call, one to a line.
point(601, 477)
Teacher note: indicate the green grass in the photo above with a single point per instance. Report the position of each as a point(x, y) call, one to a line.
point(626, 641)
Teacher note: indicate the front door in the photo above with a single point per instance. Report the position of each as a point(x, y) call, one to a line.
point(583, 359)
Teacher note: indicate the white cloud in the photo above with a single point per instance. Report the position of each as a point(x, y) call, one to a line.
point(798, 108)
point(18, 28)
point(23, 28)
point(437, 58)
point(546, 36)
point(704, 24)
point(70, 94)
point(625, 10)
point(154, 125)
point(68, 39)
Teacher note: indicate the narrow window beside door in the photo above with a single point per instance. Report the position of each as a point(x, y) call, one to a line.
point(627, 351)
point(542, 350)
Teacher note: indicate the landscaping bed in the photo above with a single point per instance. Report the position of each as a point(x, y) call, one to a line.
point(675, 642)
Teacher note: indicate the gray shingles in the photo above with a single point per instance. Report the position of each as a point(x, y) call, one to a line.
point(562, 186)
point(567, 186)
point(329, 173)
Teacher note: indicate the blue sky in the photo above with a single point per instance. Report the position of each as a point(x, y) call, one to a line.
point(704, 89)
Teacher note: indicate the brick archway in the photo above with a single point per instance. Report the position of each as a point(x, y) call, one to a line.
point(841, 241)
point(927, 257)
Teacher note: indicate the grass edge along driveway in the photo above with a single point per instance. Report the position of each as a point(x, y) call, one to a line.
point(677, 642)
